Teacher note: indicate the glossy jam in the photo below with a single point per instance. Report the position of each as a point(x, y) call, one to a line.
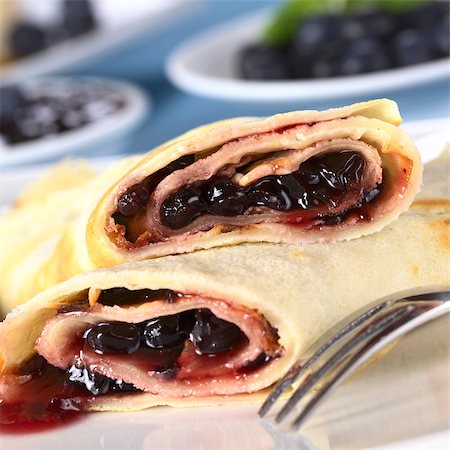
point(44, 401)
point(320, 184)
point(209, 335)
point(45, 397)
point(136, 197)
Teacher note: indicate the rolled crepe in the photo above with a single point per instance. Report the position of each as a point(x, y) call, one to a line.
point(352, 169)
point(298, 177)
point(214, 326)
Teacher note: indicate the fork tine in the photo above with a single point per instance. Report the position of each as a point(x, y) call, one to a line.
point(414, 315)
point(343, 328)
point(367, 332)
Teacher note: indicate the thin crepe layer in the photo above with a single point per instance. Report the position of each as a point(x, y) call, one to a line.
point(283, 141)
point(300, 290)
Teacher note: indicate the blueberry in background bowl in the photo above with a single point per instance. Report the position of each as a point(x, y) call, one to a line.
point(306, 40)
point(58, 116)
point(25, 116)
point(75, 18)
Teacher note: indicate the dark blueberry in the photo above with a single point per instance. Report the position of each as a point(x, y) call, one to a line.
point(71, 119)
point(133, 200)
point(223, 198)
point(362, 56)
point(36, 120)
point(97, 108)
point(269, 192)
point(425, 17)
point(94, 383)
point(318, 30)
point(314, 49)
point(263, 62)
point(78, 17)
point(123, 296)
point(300, 62)
point(411, 47)
point(11, 99)
point(212, 335)
point(180, 163)
point(369, 23)
point(339, 170)
point(136, 197)
point(325, 62)
point(182, 207)
point(114, 338)
point(440, 40)
point(27, 38)
point(168, 331)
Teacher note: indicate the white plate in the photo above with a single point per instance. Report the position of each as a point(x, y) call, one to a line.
point(397, 403)
point(392, 405)
point(120, 22)
point(205, 65)
point(107, 134)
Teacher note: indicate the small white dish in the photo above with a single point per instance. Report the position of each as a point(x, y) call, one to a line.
point(106, 135)
point(119, 23)
point(205, 65)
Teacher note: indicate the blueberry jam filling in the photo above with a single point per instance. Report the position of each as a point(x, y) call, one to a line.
point(95, 383)
point(212, 335)
point(169, 331)
point(135, 198)
point(116, 338)
point(318, 187)
point(209, 335)
point(321, 181)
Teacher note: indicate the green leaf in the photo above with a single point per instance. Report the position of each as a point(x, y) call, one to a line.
point(281, 29)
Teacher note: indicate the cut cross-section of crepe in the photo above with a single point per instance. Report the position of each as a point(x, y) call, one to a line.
point(298, 177)
point(208, 327)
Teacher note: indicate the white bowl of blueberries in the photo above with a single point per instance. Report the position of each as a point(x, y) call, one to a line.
point(53, 117)
point(309, 50)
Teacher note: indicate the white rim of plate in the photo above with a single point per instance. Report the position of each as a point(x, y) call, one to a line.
point(226, 88)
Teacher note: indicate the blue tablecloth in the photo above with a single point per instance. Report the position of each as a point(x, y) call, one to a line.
point(174, 112)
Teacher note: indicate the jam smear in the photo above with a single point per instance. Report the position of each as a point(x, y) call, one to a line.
point(45, 401)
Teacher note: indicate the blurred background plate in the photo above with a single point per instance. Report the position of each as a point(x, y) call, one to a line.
point(119, 23)
point(108, 134)
point(206, 65)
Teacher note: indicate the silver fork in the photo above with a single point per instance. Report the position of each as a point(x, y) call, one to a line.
point(346, 346)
